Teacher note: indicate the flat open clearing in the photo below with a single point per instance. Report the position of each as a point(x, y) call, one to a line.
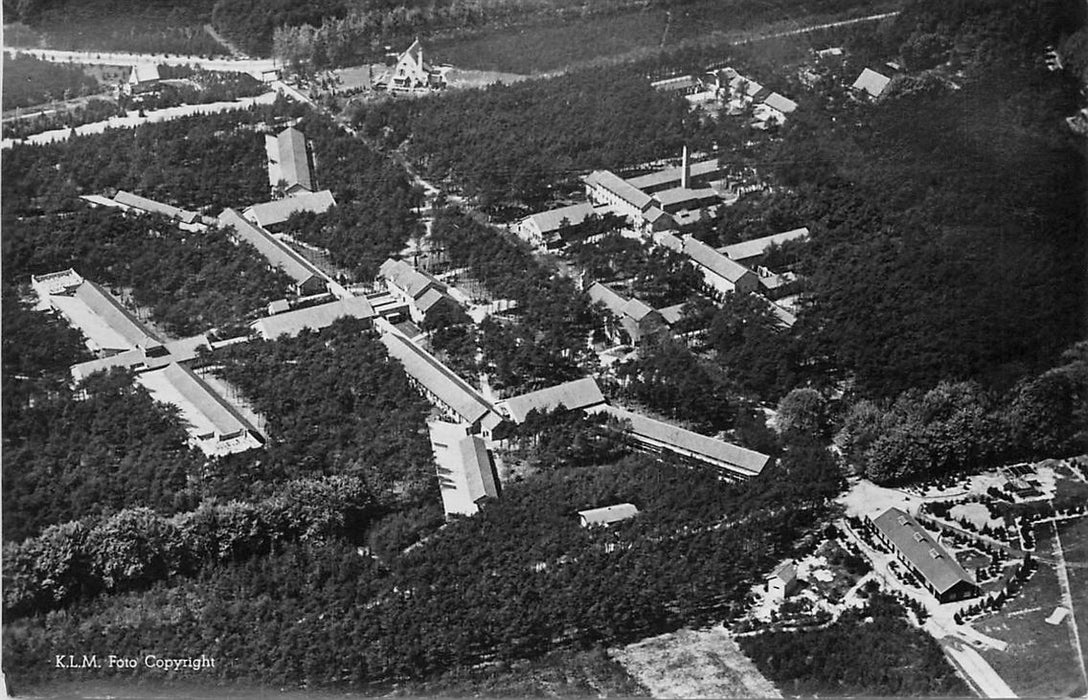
point(694, 664)
point(1040, 660)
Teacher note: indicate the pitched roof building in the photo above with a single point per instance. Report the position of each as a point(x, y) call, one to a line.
point(719, 272)
point(289, 161)
point(308, 279)
point(731, 460)
point(923, 556)
point(605, 187)
point(412, 73)
point(420, 291)
point(214, 426)
point(607, 515)
point(291, 323)
point(699, 174)
point(579, 394)
point(544, 228)
point(441, 386)
point(272, 215)
point(129, 201)
point(871, 83)
point(466, 472)
point(751, 252)
point(632, 320)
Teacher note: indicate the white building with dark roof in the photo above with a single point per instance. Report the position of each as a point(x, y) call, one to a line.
point(731, 461)
point(307, 278)
point(577, 395)
point(936, 569)
point(314, 318)
point(465, 469)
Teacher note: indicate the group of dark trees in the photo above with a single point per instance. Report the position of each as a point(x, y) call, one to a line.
point(203, 163)
point(873, 650)
point(335, 404)
point(188, 282)
point(657, 277)
point(509, 144)
point(547, 342)
point(515, 582)
point(136, 547)
point(962, 427)
point(30, 81)
point(373, 218)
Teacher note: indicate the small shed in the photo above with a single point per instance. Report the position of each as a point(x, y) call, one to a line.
point(607, 515)
point(783, 580)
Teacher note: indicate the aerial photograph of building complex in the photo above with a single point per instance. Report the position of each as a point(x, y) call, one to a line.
point(544, 348)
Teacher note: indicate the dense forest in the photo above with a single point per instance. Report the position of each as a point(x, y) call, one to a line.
point(689, 557)
point(871, 651)
point(510, 144)
point(30, 81)
point(336, 404)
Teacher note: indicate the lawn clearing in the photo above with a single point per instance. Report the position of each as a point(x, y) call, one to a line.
point(1040, 660)
point(694, 664)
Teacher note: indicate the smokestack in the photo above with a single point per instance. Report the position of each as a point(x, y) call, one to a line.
point(685, 169)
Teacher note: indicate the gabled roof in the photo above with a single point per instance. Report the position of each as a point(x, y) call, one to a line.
point(932, 561)
point(679, 82)
point(786, 571)
point(463, 467)
point(430, 298)
point(225, 419)
point(608, 514)
point(746, 250)
point(275, 251)
point(613, 183)
point(293, 160)
point(291, 323)
point(687, 442)
point(144, 73)
point(871, 82)
point(135, 201)
point(636, 309)
point(414, 52)
point(780, 103)
point(670, 175)
point(680, 195)
point(574, 395)
point(278, 211)
point(712, 260)
point(672, 314)
point(612, 300)
point(408, 279)
point(438, 379)
point(551, 220)
point(117, 317)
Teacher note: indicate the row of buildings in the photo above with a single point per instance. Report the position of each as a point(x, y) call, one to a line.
point(735, 91)
point(122, 340)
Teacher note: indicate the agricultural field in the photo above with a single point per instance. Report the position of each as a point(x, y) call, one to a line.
point(1040, 660)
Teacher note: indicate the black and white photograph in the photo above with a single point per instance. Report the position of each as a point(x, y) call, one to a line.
point(544, 349)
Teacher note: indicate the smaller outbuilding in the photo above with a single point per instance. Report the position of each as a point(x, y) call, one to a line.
point(607, 515)
point(782, 582)
point(871, 84)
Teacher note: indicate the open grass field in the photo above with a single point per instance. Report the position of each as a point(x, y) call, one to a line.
point(694, 664)
point(1040, 660)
